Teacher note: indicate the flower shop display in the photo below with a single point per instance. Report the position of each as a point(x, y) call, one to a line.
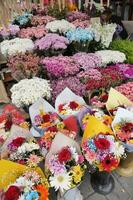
point(65, 165)
point(125, 46)
point(126, 89)
point(41, 20)
point(81, 24)
point(87, 60)
point(61, 26)
point(126, 69)
point(60, 66)
point(109, 56)
point(33, 32)
point(80, 38)
point(24, 66)
point(72, 83)
point(68, 103)
point(52, 44)
point(103, 33)
point(72, 16)
point(23, 182)
point(17, 45)
point(28, 91)
point(11, 31)
point(43, 116)
point(23, 20)
point(21, 147)
point(123, 128)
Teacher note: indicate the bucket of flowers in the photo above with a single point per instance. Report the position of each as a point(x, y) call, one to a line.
point(65, 167)
point(103, 153)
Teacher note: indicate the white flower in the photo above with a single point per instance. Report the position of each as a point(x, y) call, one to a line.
point(109, 56)
point(28, 91)
point(17, 45)
point(28, 147)
point(74, 153)
point(59, 25)
point(23, 182)
point(61, 182)
point(118, 149)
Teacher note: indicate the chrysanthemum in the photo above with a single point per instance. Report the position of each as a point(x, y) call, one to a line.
point(61, 181)
point(118, 149)
point(77, 173)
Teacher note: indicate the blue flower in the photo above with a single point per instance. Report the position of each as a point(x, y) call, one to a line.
point(91, 145)
point(32, 195)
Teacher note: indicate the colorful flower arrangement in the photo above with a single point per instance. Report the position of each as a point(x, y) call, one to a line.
point(22, 20)
point(70, 108)
point(33, 32)
point(15, 46)
point(24, 151)
point(87, 60)
point(27, 91)
point(103, 33)
point(52, 43)
point(61, 26)
point(60, 66)
point(103, 152)
point(72, 83)
point(66, 169)
point(41, 20)
point(109, 56)
point(126, 89)
point(29, 185)
point(24, 65)
point(12, 30)
point(74, 15)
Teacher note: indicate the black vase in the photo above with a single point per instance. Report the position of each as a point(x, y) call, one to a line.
point(102, 182)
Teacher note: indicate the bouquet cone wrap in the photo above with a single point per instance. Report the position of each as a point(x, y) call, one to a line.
point(116, 99)
point(94, 127)
point(10, 171)
point(127, 116)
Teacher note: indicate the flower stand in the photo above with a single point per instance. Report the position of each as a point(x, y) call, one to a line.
point(73, 194)
point(126, 166)
point(102, 182)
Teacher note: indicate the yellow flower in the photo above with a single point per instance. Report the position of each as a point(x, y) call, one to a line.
point(85, 118)
point(77, 173)
point(24, 125)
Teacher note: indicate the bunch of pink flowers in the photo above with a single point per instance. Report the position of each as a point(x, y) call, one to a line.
point(126, 89)
point(72, 16)
point(81, 24)
point(94, 74)
point(41, 20)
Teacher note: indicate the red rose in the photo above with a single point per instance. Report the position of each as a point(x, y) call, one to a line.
point(18, 142)
point(64, 155)
point(12, 193)
point(52, 129)
point(46, 118)
point(73, 105)
point(102, 143)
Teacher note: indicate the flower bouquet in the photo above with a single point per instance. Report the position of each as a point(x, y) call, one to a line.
point(65, 165)
point(126, 89)
point(52, 44)
point(23, 20)
point(74, 15)
point(123, 128)
point(10, 32)
point(24, 65)
point(22, 183)
point(80, 39)
point(21, 147)
point(68, 103)
point(41, 20)
point(15, 46)
point(43, 116)
point(28, 91)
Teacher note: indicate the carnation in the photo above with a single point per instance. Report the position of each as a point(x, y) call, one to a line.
point(27, 91)
point(126, 89)
point(108, 56)
point(22, 20)
point(24, 65)
point(60, 66)
point(17, 45)
point(81, 24)
point(11, 30)
point(87, 60)
point(72, 83)
point(61, 26)
point(93, 74)
point(126, 69)
point(72, 16)
point(41, 20)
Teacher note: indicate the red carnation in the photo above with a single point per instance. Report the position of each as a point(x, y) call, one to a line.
point(60, 107)
point(8, 124)
point(64, 155)
point(102, 143)
point(46, 118)
point(127, 127)
point(73, 105)
point(18, 142)
point(52, 129)
point(109, 163)
point(12, 193)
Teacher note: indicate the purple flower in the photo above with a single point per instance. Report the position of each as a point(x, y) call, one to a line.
point(55, 166)
point(72, 16)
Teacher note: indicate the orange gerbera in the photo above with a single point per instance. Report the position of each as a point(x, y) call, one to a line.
point(43, 191)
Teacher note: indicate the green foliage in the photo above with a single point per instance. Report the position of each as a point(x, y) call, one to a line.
point(125, 46)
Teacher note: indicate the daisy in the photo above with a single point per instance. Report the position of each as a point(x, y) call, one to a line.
point(61, 181)
point(117, 149)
